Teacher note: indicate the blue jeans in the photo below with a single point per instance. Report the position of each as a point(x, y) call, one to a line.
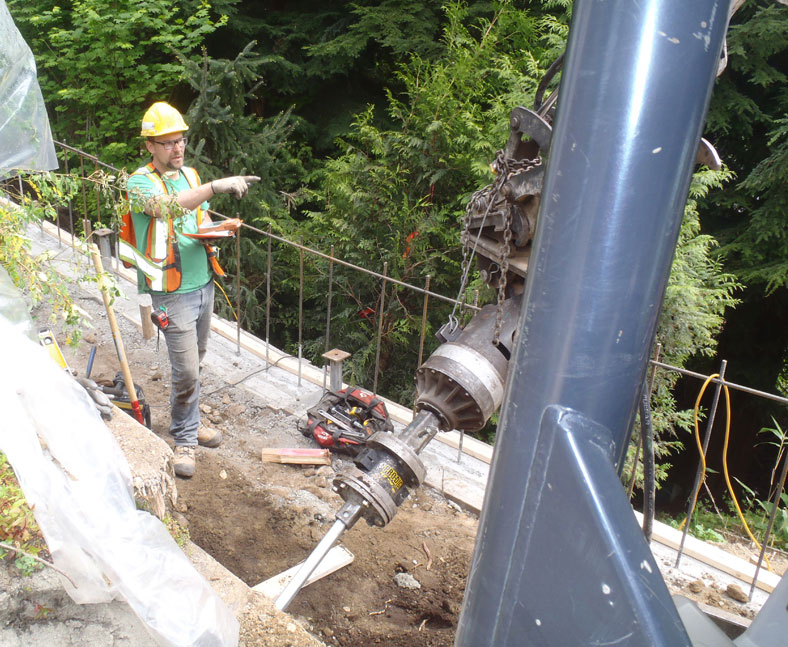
point(187, 340)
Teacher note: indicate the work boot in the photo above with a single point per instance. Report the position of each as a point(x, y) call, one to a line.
point(183, 463)
point(207, 437)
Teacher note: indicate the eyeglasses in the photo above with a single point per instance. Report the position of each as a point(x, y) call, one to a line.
point(168, 146)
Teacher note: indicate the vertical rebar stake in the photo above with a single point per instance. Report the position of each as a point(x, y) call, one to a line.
point(85, 220)
point(423, 325)
point(630, 489)
point(238, 287)
point(268, 298)
point(300, 305)
point(699, 473)
point(98, 196)
point(328, 310)
point(380, 325)
point(424, 318)
point(775, 504)
point(70, 204)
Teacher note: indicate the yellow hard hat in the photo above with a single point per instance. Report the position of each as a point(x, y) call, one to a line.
point(162, 119)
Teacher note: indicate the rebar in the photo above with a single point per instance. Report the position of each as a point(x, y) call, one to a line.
point(631, 487)
point(238, 288)
point(98, 196)
point(328, 310)
point(424, 319)
point(717, 380)
point(300, 308)
point(380, 325)
point(70, 207)
point(85, 219)
point(772, 515)
point(268, 299)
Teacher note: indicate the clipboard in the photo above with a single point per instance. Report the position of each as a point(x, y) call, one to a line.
point(223, 229)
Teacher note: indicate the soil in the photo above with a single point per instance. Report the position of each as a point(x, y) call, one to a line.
point(258, 519)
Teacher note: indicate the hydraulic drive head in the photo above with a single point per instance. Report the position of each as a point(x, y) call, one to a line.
point(384, 474)
point(386, 471)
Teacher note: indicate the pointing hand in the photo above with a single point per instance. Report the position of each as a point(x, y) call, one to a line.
point(238, 185)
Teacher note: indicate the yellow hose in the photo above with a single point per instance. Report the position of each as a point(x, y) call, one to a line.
point(216, 283)
point(724, 457)
point(699, 443)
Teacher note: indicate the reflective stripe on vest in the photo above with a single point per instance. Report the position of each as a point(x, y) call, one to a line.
point(161, 263)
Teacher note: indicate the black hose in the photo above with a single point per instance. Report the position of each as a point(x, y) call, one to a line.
point(548, 76)
point(649, 482)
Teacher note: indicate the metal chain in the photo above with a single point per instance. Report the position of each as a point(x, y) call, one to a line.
point(511, 169)
point(504, 265)
point(485, 199)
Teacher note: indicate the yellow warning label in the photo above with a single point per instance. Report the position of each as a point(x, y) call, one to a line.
point(394, 479)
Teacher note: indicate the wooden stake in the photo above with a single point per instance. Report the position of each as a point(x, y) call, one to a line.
point(148, 331)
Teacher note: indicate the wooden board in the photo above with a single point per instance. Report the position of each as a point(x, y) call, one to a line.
point(336, 558)
point(298, 456)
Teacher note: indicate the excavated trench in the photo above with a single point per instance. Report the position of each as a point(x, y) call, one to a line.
point(259, 519)
point(257, 529)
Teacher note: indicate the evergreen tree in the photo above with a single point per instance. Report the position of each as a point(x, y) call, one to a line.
point(102, 62)
point(748, 115)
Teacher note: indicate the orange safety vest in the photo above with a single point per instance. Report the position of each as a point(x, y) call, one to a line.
point(161, 261)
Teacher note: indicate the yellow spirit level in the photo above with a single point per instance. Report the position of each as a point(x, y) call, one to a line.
point(48, 341)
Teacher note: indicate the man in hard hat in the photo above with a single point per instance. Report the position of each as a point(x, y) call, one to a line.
point(168, 205)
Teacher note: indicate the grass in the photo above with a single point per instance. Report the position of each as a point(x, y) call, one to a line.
point(713, 525)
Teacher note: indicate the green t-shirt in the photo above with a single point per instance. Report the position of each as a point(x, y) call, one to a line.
point(195, 268)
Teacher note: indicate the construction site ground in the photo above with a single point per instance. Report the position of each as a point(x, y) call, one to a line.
point(258, 519)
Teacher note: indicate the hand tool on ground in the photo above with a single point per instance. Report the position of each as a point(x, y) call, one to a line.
point(90, 362)
point(358, 435)
point(346, 419)
point(113, 324)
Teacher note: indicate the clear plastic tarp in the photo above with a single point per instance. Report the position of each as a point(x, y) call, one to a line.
point(25, 139)
point(77, 480)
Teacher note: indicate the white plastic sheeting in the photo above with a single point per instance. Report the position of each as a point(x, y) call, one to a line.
point(25, 138)
point(76, 478)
